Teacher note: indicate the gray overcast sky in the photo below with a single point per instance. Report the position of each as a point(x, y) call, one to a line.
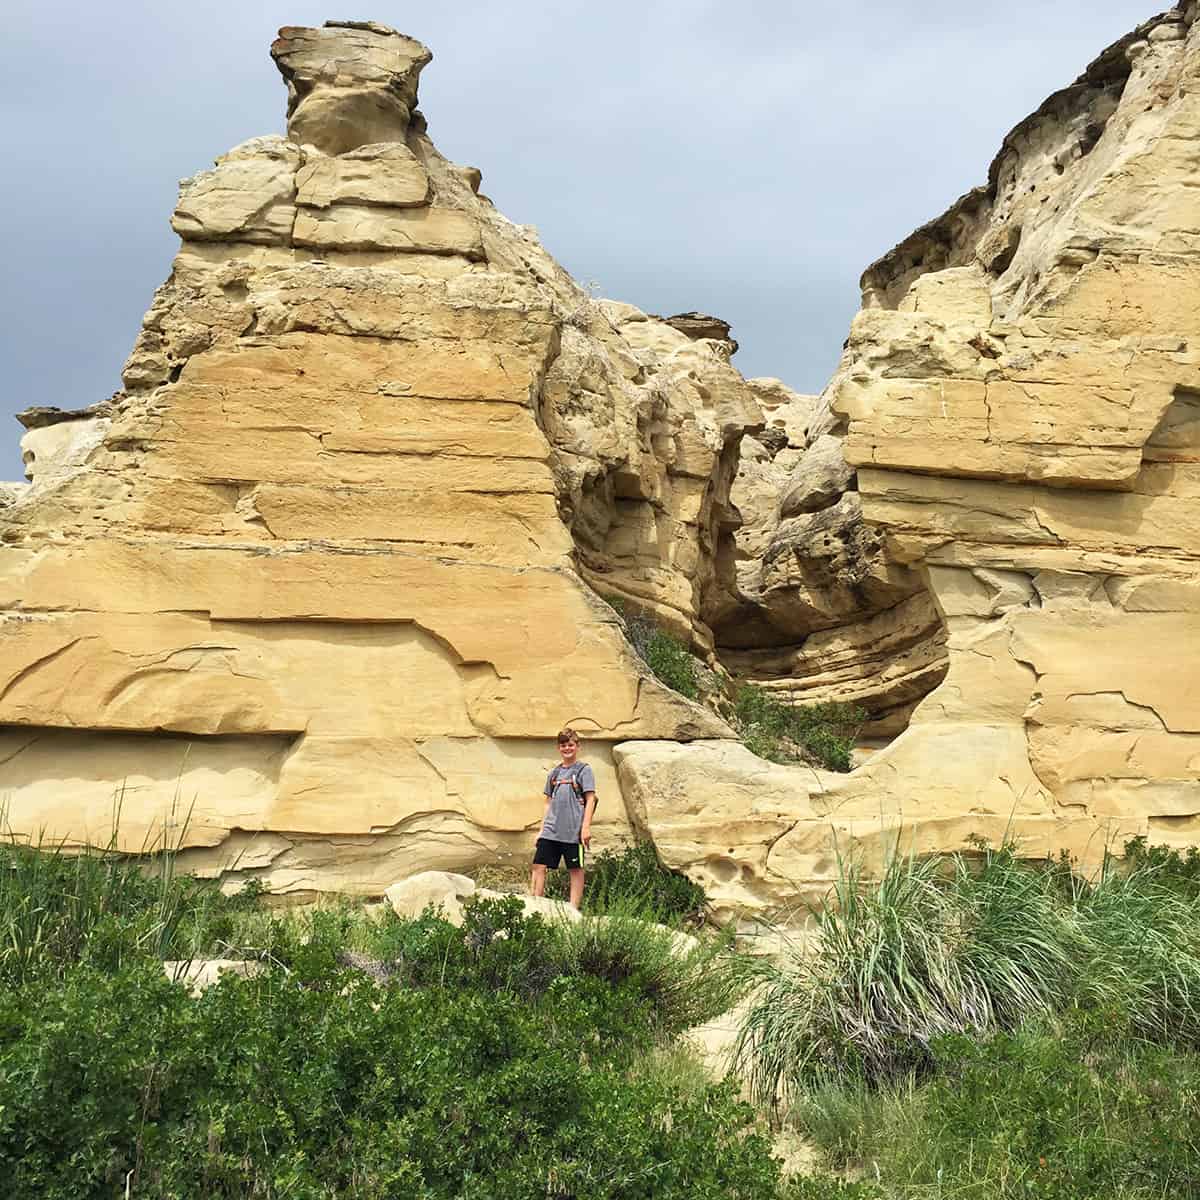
point(743, 159)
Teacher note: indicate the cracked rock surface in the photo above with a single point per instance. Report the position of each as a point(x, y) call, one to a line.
point(1019, 402)
point(309, 594)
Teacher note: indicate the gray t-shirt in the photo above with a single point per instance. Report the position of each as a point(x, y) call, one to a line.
point(564, 818)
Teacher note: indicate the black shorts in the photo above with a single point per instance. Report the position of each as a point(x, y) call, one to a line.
point(548, 853)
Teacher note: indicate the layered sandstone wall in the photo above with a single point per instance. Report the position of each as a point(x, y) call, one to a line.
point(312, 595)
point(1021, 396)
point(308, 596)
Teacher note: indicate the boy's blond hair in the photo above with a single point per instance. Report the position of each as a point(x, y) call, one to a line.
point(567, 735)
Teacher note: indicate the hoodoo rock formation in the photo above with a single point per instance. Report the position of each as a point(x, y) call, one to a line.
point(1021, 393)
point(312, 594)
point(308, 593)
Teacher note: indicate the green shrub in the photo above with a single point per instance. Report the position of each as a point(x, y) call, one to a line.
point(632, 880)
point(269, 1087)
point(1179, 870)
point(669, 659)
point(1068, 1110)
point(1056, 1115)
point(663, 983)
point(822, 734)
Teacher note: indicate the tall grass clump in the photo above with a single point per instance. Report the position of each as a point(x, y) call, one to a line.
point(820, 734)
point(99, 906)
point(1141, 925)
point(972, 945)
point(685, 980)
point(930, 948)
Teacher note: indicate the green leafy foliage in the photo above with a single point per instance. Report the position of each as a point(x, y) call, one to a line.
point(631, 880)
point(330, 1086)
point(821, 734)
point(668, 658)
point(653, 983)
point(1176, 869)
point(499, 1058)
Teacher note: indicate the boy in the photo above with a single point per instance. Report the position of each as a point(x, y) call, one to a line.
point(567, 818)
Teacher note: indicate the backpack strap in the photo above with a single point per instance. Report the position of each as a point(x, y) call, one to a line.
point(573, 776)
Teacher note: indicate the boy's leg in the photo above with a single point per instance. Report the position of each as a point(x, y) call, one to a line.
point(537, 881)
point(576, 877)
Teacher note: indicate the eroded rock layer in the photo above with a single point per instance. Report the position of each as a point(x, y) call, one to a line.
point(1021, 392)
point(822, 613)
point(306, 597)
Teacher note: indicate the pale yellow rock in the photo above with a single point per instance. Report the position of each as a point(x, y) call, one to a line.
point(439, 890)
point(305, 602)
point(249, 196)
point(197, 975)
point(387, 174)
point(1020, 396)
point(407, 230)
point(445, 893)
point(350, 83)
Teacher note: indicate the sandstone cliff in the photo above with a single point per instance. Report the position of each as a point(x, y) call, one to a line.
point(314, 580)
point(327, 572)
point(1021, 398)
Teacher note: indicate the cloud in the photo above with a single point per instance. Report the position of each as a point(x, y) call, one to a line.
point(747, 160)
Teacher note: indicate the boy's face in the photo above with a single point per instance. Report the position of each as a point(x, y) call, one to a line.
point(568, 750)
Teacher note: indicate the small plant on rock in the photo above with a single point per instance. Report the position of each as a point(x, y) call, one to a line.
point(821, 734)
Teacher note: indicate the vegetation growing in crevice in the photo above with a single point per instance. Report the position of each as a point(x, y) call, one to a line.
point(669, 660)
point(820, 734)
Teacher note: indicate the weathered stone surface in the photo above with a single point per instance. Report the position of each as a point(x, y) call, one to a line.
point(350, 83)
point(430, 889)
point(1019, 395)
point(821, 613)
point(319, 579)
point(697, 325)
point(819, 479)
point(249, 196)
point(362, 227)
point(313, 582)
point(389, 174)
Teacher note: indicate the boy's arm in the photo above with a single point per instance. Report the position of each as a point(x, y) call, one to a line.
point(589, 807)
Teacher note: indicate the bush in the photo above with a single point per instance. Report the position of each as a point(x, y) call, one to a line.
point(669, 659)
point(268, 1088)
point(821, 734)
point(1178, 870)
point(959, 945)
point(633, 881)
point(1062, 1110)
point(661, 984)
